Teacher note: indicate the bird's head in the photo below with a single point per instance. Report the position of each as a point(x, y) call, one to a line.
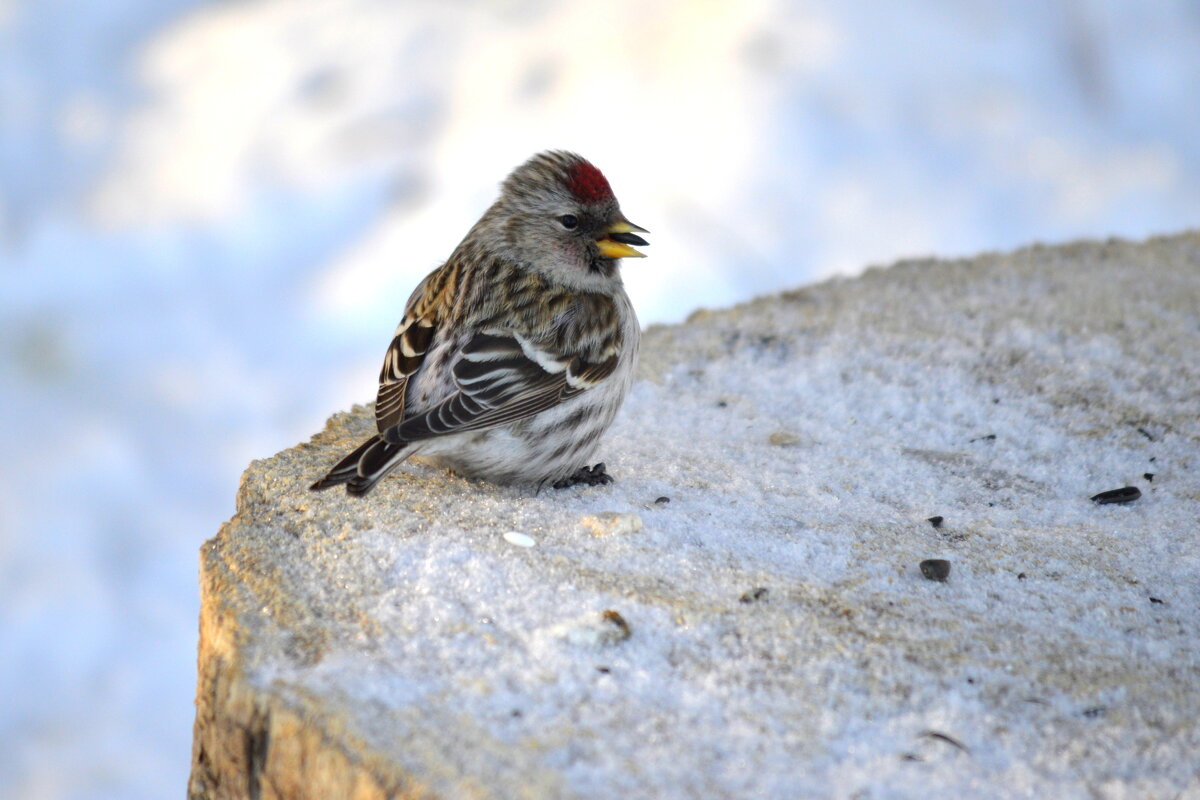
point(557, 214)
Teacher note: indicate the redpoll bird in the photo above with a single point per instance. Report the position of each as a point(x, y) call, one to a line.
point(514, 356)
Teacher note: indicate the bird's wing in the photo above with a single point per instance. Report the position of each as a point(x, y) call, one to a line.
point(405, 355)
point(501, 378)
point(414, 334)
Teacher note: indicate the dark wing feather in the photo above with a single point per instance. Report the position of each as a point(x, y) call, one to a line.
point(422, 315)
point(502, 379)
point(346, 469)
point(405, 355)
point(363, 468)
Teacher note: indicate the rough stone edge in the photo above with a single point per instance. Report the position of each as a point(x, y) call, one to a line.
point(252, 744)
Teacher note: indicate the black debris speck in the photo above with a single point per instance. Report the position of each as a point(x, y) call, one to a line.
point(603, 670)
point(1148, 476)
point(935, 569)
point(1158, 601)
point(991, 437)
point(936, 521)
point(721, 404)
point(1126, 494)
point(662, 501)
point(1146, 433)
point(1021, 576)
point(754, 595)
point(947, 738)
point(1094, 711)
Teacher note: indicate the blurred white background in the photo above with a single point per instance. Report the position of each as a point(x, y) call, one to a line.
point(212, 213)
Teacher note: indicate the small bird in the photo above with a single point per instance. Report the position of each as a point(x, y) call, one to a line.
point(514, 356)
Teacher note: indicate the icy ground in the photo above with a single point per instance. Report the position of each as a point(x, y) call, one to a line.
point(776, 636)
point(210, 214)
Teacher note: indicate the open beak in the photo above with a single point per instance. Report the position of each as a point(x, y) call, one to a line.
point(617, 238)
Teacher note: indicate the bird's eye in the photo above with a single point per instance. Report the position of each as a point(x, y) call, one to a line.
point(569, 221)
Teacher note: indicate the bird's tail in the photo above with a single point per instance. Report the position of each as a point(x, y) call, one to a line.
point(366, 466)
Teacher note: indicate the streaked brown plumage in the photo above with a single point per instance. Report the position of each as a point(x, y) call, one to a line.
point(514, 356)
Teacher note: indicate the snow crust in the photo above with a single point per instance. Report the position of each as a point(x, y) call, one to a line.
point(776, 637)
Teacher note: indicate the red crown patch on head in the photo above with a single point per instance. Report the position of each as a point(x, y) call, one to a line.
point(587, 183)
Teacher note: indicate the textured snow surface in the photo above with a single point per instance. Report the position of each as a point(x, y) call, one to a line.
point(775, 635)
point(211, 214)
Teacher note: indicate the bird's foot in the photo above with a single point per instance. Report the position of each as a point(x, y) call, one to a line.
point(589, 476)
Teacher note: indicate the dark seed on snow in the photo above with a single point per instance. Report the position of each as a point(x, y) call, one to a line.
point(948, 739)
point(1094, 711)
point(1126, 494)
point(755, 594)
point(991, 437)
point(1148, 476)
point(935, 569)
point(662, 501)
point(1021, 576)
point(1157, 601)
point(622, 631)
point(935, 521)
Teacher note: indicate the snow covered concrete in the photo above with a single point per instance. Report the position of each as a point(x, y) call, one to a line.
point(766, 629)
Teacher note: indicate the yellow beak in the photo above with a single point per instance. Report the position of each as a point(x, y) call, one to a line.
point(617, 240)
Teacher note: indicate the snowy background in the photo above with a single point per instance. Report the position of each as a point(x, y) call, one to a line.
point(211, 214)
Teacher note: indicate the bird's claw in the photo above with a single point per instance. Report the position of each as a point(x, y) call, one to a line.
point(588, 476)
